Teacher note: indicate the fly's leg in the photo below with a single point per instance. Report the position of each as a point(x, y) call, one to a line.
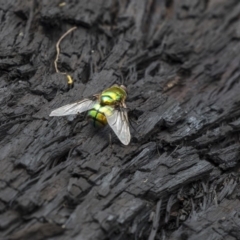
point(96, 96)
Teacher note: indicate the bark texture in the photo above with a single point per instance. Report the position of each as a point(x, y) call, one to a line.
point(178, 179)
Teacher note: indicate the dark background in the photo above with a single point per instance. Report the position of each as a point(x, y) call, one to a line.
point(178, 178)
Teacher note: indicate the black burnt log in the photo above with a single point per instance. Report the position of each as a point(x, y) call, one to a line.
point(178, 178)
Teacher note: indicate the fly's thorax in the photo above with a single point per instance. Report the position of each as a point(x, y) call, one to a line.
point(113, 95)
point(97, 115)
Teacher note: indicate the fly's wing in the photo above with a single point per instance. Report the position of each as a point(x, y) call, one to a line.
point(73, 108)
point(118, 121)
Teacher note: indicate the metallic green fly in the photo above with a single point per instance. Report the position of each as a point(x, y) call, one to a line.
point(107, 107)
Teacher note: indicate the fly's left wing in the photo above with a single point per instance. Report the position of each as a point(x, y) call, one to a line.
point(73, 108)
point(118, 121)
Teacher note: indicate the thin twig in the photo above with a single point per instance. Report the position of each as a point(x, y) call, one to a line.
point(58, 49)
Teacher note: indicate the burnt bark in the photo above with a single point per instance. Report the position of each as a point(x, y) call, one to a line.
point(178, 178)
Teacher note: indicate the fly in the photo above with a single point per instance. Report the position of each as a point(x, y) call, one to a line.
point(107, 107)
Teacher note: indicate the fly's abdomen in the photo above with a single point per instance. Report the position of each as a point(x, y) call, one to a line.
point(98, 114)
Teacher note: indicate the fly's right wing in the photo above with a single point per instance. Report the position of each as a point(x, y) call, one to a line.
point(73, 108)
point(118, 121)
